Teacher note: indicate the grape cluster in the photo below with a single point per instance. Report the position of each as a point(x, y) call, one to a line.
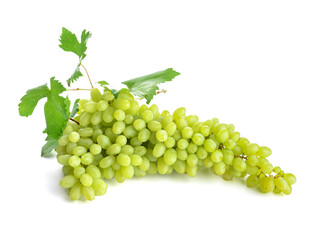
point(117, 138)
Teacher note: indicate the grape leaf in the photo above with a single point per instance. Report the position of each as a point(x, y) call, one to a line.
point(70, 43)
point(146, 86)
point(74, 108)
point(30, 100)
point(49, 146)
point(77, 73)
point(103, 83)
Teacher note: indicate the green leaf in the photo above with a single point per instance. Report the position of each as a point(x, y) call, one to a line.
point(103, 83)
point(116, 92)
point(30, 100)
point(77, 73)
point(74, 108)
point(49, 146)
point(70, 43)
point(146, 86)
point(56, 110)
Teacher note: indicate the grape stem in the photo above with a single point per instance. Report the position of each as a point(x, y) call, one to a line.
point(74, 120)
point(87, 75)
point(77, 89)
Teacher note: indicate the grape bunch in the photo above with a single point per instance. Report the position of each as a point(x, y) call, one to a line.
point(117, 138)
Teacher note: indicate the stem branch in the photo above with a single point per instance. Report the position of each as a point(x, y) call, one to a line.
point(74, 120)
point(87, 75)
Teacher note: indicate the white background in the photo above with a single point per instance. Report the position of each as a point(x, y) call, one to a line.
point(261, 65)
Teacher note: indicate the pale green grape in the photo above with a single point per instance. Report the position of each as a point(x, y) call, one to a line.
point(64, 140)
point(147, 116)
point(239, 164)
point(88, 193)
point(222, 136)
point(198, 139)
point(139, 124)
point(136, 160)
point(121, 103)
point(93, 171)
point(252, 160)
point(99, 187)
point(282, 185)
point(201, 153)
point(106, 162)
point(108, 173)
point(85, 119)
point(192, 160)
point(140, 150)
point(144, 135)
point(216, 156)
point(204, 130)
point(108, 96)
point(119, 115)
point(121, 140)
point(114, 149)
point(152, 168)
point(170, 156)
point(103, 141)
point(130, 132)
point(182, 143)
point(70, 147)
point(209, 145)
point(138, 172)
point(119, 177)
point(96, 95)
point(181, 154)
point(187, 132)
point(252, 181)
point(144, 164)
point(179, 166)
point(264, 152)
point(179, 113)
point(251, 170)
point(85, 142)
point(219, 168)
point(128, 119)
point(86, 180)
point(118, 127)
point(127, 149)
point(75, 192)
point(123, 159)
point(161, 135)
point(267, 184)
point(171, 128)
point(290, 178)
point(181, 123)
point(102, 105)
point(230, 144)
point(79, 171)
point(68, 181)
point(191, 148)
point(267, 168)
point(85, 132)
point(127, 171)
point(251, 149)
point(208, 163)
point(277, 169)
point(154, 126)
point(107, 115)
point(237, 150)
point(159, 150)
point(170, 142)
point(90, 107)
point(63, 159)
point(235, 136)
point(74, 161)
point(162, 167)
point(95, 149)
point(191, 171)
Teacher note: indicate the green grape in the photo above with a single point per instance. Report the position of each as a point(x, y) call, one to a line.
point(116, 166)
point(96, 95)
point(216, 156)
point(182, 143)
point(235, 136)
point(67, 170)
point(144, 135)
point(239, 164)
point(267, 168)
point(86, 180)
point(128, 119)
point(95, 149)
point(103, 141)
point(219, 168)
point(208, 163)
point(243, 142)
point(74, 137)
point(93, 171)
point(74, 161)
point(198, 139)
point(106, 162)
point(90, 107)
point(75, 192)
point(79, 171)
point(282, 185)
point(107, 115)
point(121, 140)
point(222, 136)
point(147, 116)
point(167, 119)
point(139, 124)
point(192, 148)
point(127, 171)
point(181, 124)
point(177, 135)
point(130, 132)
point(68, 181)
point(119, 177)
point(102, 105)
point(252, 160)
point(251, 170)
point(108, 173)
point(228, 156)
point(140, 150)
point(135, 142)
point(119, 115)
point(64, 140)
point(114, 149)
point(201, 153)
point(123, 159)
point(63, 159)
point(144, 164)
point(264, 152)
point(161, 135)
point(235, 172)
point(251, 149)
point(121, 103)
point(127, 149)
point(204, 130)
point(88, 193)
point(209, 145)
point(70, 148)
point(99, 187)
point(154, 126)
point(108, 96)
point(230, 144)
point(136, 160)
point(179, 113)
point(179, 166)
point(159, 150)
point(96, 118)
point(267, 184)
point(85, 119)
point(187, 132)
point(118, 127)
point(277, 169)
point(162, 167)
point(152, 169)
point(85, 132)
point(170, 156)
point(170, 142)
point(139, 173)
point(181, 154)
point(252, 181)
point(237, 150)
point(262, 161)
point(134, 108)
point(191, 171)
point(290, 178)
point(171, 128)
point(85, 142)
point(68, 130)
